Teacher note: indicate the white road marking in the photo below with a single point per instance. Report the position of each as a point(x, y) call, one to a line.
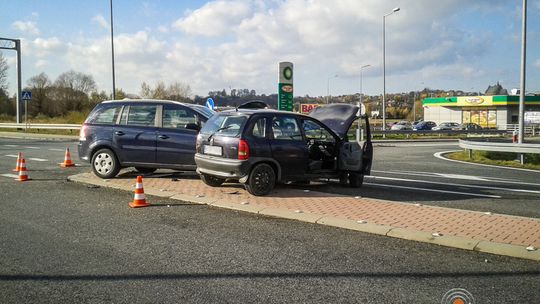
point(39, 159)
point(10, 175)
point(36, 148)
point(456, 185)
point(54, 149)
point(433, 190)
point(458, 176)
point(439, 155)
point(11, 155)
point(11, 146)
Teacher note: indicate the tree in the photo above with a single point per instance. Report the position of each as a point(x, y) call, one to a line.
point(3, 72)
point(174, 91)
point(39, 85)
point(70, 93)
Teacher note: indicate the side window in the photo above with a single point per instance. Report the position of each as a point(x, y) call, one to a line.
point(259, 128)
point(315, 131)
point(178, 118)
point(141, 115)
point(286, 127)
point(106, 115)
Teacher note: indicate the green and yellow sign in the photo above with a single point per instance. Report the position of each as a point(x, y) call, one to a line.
point(285, 86)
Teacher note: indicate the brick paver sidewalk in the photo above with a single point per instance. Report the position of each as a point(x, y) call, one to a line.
point(401, 218)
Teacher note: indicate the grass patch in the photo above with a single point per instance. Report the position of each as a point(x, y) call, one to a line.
point(532, 161)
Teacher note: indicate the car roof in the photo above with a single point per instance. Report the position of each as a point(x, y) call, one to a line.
point(145, 100)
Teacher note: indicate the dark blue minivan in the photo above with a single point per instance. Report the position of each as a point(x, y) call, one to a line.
point(145, 134)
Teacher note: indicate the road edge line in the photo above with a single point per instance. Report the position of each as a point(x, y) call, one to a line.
point(439, 156)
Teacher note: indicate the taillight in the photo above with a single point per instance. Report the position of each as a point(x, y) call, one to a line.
point(243, 150)
point(82, 133)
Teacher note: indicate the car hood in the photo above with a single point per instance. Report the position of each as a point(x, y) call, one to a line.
point(338, 116)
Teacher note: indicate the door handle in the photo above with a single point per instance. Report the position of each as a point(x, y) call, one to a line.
point(119, 133)
point(163, 136)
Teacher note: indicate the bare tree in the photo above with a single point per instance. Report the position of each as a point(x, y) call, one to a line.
point(3, 72)
point(39, 85)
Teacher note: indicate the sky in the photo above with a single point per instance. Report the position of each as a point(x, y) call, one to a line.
point(215, 45)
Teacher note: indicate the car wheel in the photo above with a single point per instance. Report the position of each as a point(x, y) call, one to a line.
point(356, 179)
point(262, 180)
point(145, 170)
point(105, 164)
point(212, 181)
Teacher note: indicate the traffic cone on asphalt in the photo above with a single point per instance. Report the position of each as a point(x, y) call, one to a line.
point(139, 199)
point(23, 174)
point(18, 166)
point(67, 160)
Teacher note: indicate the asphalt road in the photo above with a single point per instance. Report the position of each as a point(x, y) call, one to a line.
point(63, 242)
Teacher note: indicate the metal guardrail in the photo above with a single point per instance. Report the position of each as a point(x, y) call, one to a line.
point(40, 126)
point(441, 132)
point(500, 146)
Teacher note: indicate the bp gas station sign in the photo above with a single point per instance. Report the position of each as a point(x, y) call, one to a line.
point(285, 86)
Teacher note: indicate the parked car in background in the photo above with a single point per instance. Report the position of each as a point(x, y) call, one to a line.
point(402, 125)
point(145, 134)
point(260, 148)
point(470, 126)
point(424, 125)
point(447, 126)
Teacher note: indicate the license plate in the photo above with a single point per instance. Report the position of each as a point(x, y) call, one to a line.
point(212, 150)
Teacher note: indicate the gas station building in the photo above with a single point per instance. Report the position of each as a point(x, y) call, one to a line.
point(496, 111)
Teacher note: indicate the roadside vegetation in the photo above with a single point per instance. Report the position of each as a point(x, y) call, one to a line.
point(532, 161)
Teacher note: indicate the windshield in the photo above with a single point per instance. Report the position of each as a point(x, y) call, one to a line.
point(224, 125)
point(204, 111)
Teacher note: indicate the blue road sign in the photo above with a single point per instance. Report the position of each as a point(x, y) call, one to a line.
point(210, 103)
point(26, 95)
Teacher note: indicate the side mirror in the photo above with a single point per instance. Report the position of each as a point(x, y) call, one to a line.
point(193, 126)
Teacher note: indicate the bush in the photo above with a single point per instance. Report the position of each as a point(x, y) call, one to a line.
point(493, 155)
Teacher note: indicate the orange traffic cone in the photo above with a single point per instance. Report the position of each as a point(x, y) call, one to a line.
point(23, 174)
point(67, 160)
point(139, 200)
point(18, 166)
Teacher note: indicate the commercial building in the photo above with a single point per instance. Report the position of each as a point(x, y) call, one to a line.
point(497, 111)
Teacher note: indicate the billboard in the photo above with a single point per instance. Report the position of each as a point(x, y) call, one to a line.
point(307, 107)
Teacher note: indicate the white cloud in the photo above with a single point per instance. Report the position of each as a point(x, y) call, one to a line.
point(100, 20)
point(42, 47)
point(214, 18)
point(28, 27)
point(40, 64)
point(537, 63)
point(163, 29)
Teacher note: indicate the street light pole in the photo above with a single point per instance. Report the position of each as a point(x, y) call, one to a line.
point(522, 82)
point(384, 67)
point(358, 137)
point(328, 87)
point(112, 54)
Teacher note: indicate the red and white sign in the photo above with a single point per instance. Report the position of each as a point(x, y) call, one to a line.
point(307, 107)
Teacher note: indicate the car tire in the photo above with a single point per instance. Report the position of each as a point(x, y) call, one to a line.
point(356, 179)
point(144, 170)
point(105, 164)
point(212, 181)
point(261, 181)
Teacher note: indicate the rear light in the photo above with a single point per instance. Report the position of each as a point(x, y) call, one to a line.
point(243, 150)
point(82, 133)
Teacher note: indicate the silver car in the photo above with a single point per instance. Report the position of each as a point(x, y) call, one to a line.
point(447, 126)
point(402, 125)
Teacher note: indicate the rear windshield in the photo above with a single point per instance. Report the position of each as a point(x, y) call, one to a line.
point(224, 125)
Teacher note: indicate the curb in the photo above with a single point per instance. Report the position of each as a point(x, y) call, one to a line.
point(372, 228)
point(440, 155)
